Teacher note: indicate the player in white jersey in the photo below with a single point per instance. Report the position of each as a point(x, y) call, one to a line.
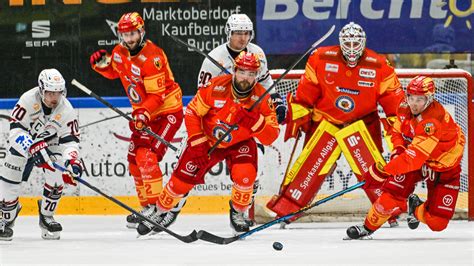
point(43, 129)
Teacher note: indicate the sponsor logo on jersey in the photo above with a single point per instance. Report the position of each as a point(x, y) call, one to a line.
point(216, 88)
point(135, 70)
point(330, 53)
point(367, 73)
point(142, 58)
point(429, 128)
point(117, 58)
point(24, 141)
point(40, 32)
point(133, 94)
point(345, 103)
point(244, 149)
point(219, 103)
point(411, 153)
point(331, 67)
point(157, 62)
point(348, 91)
point(448, 200)
point(13, 167)
point(113, 28)
point(171, 119)
point(370, 59)
point(363, 83)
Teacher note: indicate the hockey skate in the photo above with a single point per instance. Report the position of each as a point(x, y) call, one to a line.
point(413, 202)
point(167, 219)
point(50, 229)
point(358, 232)
point(237, 220)
point(393, 222)
point(145, 227)
point(133, 220)
point(6, 232)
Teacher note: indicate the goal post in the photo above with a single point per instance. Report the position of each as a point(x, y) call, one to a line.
point(454, 89)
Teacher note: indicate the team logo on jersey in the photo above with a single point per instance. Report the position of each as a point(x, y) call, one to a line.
point(135, 70)
point(117, 58)
point(345, 103)
point(158, 63)
point(348, 91)
point(133, 94)
point(448, 200)
point(219, 131)
point(429, 128)
point(331, 67)
point(367, 73)
point(363, 83)
point(219, 103)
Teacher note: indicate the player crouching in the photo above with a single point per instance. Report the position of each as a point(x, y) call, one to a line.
point(223, 102)
point(43, 130)
point(428, 146)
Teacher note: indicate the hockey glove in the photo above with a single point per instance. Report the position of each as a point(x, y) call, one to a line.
point(254, 121)
point(141, 118)
point(397, 151)
point(375, 176)
point(73, 171)
point(97, 56)
point(41, 155)
point(198, 148)
point(279, 106)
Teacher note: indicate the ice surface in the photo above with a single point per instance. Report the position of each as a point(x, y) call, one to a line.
point(96, 240)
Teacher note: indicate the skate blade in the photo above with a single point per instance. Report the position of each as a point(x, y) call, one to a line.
point(47, 235)
point(362, 238)
point(132, 225)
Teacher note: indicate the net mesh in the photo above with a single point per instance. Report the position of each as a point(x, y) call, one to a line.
point(451, 91)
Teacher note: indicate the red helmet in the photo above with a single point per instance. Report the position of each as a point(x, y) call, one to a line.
point(247, 61)
point(130, 22)
point(421, 85)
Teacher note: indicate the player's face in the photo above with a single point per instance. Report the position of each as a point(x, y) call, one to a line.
point(244, 79)
point(131, 39)
point(51, 98)
point(417, 103)
point(239, 40)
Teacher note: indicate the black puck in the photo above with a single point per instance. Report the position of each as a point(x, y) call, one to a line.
point(277, 246)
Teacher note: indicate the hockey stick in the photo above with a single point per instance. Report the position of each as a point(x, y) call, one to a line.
point(234, 126)
point(206, 236)
point(187, 239)
point(106, 103)
point(101, 120)
point(288, 166)
point(194, 48)
point(6, 117)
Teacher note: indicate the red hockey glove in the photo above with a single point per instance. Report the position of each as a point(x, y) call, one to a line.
point(375, 176)
point(73, 171)
point(97, 56)
point(198, 147)
point(41, 155)
point(254, 121)
point(397, 151)
point(141, 118)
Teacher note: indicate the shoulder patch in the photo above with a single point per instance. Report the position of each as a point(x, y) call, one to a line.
point(157, 62)
point(429, 128)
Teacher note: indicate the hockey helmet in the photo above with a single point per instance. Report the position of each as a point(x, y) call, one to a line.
point(51, 80)
point(352, 42)
point(130, 22)
point(423, 86)
point(247, 61)
point(238, 22)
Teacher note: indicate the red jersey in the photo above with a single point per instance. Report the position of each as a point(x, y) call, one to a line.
point(431, 138)
point(146, 78)
point(341, 94)
point(212, 111)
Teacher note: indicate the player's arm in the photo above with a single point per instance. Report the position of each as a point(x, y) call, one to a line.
point(309, 89)
point(101, 62)
point(197, 108)
point(20, 138)
point(389, 94)
point(69, 138)
point(270, 129)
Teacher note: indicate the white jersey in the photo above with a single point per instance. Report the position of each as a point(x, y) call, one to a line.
point(222, 55)
point(59, 129)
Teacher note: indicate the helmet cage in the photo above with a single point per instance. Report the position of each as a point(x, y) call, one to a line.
point(352, 41)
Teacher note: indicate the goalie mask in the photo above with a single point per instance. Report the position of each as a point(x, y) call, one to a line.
point(352, 42)
point(238, 22)
point(131, 22)
point(421, 86)
point(51, 80)
point(247, 66)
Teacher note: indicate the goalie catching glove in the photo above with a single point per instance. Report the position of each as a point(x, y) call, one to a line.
point(375, 176)
point(298, 119)
point(73, 171)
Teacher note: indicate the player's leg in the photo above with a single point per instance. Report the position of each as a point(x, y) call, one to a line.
point(48, 204)
point(439, 208)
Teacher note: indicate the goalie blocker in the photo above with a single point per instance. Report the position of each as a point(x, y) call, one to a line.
point(317, 160)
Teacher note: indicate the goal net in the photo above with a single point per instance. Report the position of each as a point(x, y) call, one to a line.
point(453, 90)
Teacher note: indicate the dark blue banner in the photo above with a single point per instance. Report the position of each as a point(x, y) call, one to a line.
point(392, 26)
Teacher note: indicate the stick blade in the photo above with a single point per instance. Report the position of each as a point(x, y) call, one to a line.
point(191, 237)
point(206, 236)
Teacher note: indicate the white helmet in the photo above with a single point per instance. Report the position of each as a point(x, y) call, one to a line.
point(352, 41)
point(51, 80)
point(238, 22)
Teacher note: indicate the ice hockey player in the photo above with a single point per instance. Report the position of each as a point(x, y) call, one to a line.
point(342, 85)
point(428, 145)
point(156, 100)
point(224, 101)
point(43, 129)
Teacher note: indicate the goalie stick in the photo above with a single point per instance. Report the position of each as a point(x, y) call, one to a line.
point(106, 103)
point(206, 236)
point(187, 238)
point(234, 126)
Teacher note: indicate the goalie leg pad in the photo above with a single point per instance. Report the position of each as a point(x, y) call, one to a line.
point(306, 176)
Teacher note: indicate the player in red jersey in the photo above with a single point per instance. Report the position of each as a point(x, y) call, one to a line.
point(428, 145)
point(155, 97)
